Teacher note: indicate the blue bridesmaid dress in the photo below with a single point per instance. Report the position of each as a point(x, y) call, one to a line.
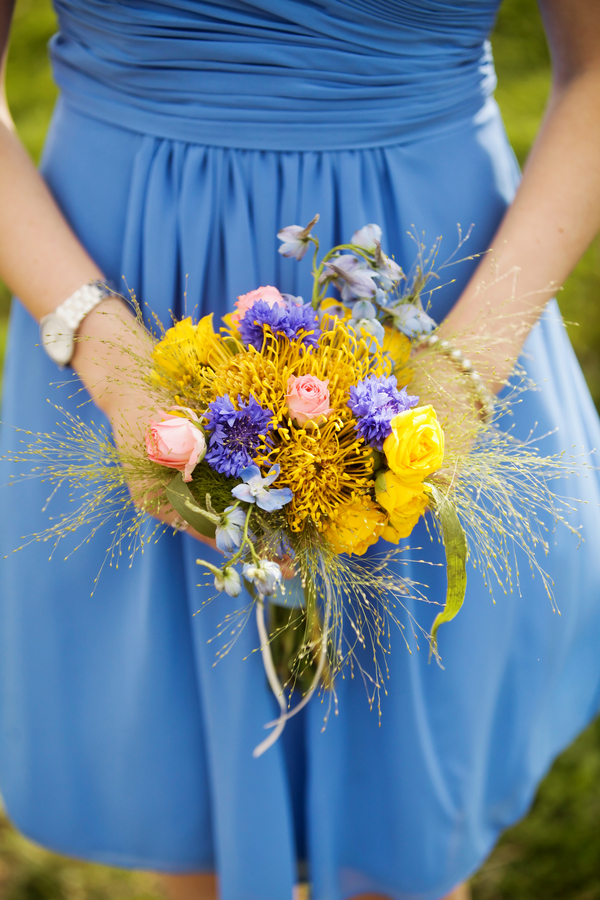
point(187, 133)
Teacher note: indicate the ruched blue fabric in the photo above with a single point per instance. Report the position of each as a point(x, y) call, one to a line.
point(276, 76)
point(187, 134)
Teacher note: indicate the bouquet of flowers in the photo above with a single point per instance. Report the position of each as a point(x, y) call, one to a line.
point(300, 434)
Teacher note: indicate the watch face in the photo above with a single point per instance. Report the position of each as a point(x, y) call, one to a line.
point(57, 339)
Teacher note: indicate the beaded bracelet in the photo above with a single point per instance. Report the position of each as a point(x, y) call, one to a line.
point(484, 397)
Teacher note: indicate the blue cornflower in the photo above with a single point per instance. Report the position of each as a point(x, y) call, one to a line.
point(375, 401)
point(254, 489)
point(294, 322)
point(303, 322)
point(236, 433)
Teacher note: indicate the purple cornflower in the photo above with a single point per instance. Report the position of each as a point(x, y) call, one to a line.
point(294, 322)
point(375, 401)
point(236, 433)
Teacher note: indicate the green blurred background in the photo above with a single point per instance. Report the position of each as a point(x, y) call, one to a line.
point(554, 853)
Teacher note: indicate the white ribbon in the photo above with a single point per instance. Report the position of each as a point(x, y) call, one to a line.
point(265, 648)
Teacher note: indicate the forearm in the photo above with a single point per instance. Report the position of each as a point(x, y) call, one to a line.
point(42, 261)
point(555, 215)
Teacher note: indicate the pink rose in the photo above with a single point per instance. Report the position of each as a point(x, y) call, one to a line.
point(307, 399)
point(176, 442)
point(243, 303)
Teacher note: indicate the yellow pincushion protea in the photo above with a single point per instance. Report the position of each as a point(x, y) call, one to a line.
point(355, 526)
point(324, 466)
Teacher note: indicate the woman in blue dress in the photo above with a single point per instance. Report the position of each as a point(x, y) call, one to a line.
point(187, 133)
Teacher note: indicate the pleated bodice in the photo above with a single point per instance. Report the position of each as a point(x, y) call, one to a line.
point(277, 74)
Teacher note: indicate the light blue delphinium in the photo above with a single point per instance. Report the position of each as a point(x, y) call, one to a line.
point(265, 575)
point(229, 580)
point(229, 529)
point(296, 239)
point(254, 489)
point(412, 320)
point(352, 277)
point(363, 309)
point(364, 318)
point(226, 579)
point(368, 237)
point(371, 327)
point(387, 272)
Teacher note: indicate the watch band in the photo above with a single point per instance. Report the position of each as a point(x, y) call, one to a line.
point(58, 329)
point(75, 308)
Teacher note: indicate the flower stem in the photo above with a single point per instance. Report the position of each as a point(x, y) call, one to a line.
point(279, 724)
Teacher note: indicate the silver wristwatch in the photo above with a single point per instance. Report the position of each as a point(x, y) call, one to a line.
point(58, 328)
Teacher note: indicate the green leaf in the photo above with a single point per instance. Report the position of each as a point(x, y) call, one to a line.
point(455, 543)
point(183, 501)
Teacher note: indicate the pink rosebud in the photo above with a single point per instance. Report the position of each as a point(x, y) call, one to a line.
point(243, 303)
point(176, 442)
point(307, 399)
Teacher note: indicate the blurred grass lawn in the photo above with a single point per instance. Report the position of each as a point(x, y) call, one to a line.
point(554, 853)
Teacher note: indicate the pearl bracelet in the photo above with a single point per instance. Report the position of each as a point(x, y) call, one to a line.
point(484, 397)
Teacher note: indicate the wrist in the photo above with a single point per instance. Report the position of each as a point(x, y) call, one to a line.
point(107, 341)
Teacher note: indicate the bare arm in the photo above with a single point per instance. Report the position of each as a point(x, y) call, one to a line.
point(556, 212)
point(42, 261)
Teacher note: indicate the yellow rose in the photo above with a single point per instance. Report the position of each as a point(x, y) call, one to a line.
point(185, 345)
point(404, 503)
point(397, 346)
point(415, 448)
point(205, 336)
point(356, 526)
